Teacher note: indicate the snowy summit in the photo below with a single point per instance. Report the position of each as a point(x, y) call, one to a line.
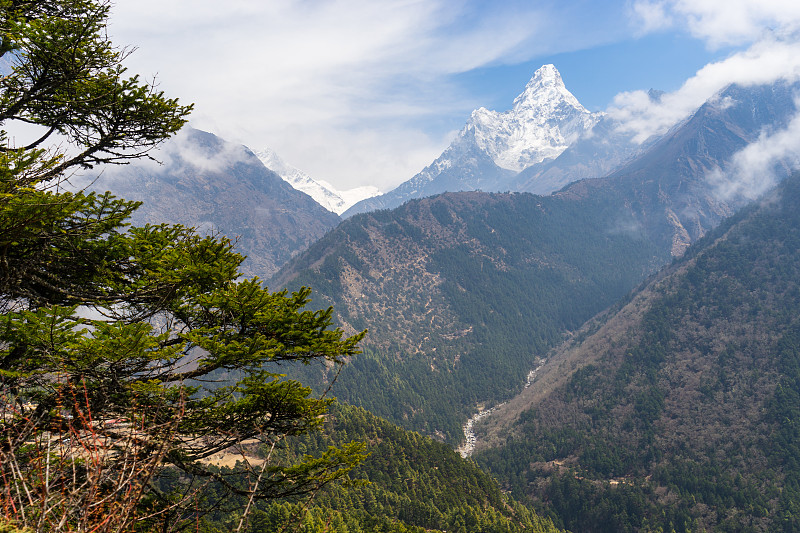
point(493, 147)
point(324, 193)
point(545, 119)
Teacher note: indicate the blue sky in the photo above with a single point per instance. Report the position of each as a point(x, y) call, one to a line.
point(661, 61)
point(365, 92)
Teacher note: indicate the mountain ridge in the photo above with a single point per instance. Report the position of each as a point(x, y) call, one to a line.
point(544, 120)
point(684, 395)
point(444, 285)
point(323, 192)
point(451, 285)
point(214, 185)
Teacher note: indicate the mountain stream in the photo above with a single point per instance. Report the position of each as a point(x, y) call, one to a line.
point(470, 439)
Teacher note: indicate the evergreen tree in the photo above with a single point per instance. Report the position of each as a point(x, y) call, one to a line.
point(117, 344)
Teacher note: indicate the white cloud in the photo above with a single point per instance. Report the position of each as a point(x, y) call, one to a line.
point(767, 34)
point(764, 62)
point(735, 21)
point(181, 149)
point(346, 89)
point(651, 16)
point(339, 76)
point(721, 22)
point(752, 170)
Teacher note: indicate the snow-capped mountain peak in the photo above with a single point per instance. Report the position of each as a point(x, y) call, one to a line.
point(493, 147)
point(546, 78)
point(321, 191)
point(545, 119)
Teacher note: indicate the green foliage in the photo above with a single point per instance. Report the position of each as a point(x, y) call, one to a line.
point(6, 527)
point(409, 483)
point(114, 340)
point(68, 78)
point(179, 316)
point(784, 412)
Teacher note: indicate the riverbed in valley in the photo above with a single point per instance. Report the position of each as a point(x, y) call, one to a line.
point(470, 439)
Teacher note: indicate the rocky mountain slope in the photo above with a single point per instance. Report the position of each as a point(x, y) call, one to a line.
point(679, 409)
point(594, 155)
point(463, 291)
point(214, 185)
point(545, 119)
point(672, 185)
point(547, 140)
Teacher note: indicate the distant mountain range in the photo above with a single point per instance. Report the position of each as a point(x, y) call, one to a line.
point(674, 410)
point(323, 192)
point(546, 141)
point(215, 185)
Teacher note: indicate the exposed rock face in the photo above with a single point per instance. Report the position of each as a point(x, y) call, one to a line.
point(545, 119)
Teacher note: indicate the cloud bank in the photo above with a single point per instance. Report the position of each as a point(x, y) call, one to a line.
point(357, 92)
point(768, 30)
point(757, 167)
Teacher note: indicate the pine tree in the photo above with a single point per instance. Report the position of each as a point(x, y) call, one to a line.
point(129, 355)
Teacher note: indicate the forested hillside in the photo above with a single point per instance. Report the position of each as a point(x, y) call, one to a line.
point(464, 291)
point(409, 483)
point(681, 410)
point(150, 381)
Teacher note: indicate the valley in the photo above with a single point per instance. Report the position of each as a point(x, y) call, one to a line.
point(677, 387)
point(466, 262)
point(462, 292)
point(530, 333)
point(470, 438)
point(503, 300)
